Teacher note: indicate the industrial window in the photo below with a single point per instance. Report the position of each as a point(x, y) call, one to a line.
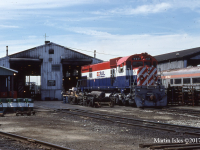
point(51, 83)
point(55, 67)
point(51, 51)
point(90, 75)
point(177, 81)
point(186, 81)
point(67, 74)
point(195, 80)
point(137, 64)
point(171, 81)
point(75, 73)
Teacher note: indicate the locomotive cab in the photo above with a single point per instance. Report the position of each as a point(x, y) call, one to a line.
point(143, 88)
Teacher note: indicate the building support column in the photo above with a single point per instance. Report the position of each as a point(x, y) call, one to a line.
point(12, 82)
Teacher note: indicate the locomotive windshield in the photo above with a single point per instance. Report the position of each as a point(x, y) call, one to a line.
point(147, 63)
point(137, 63)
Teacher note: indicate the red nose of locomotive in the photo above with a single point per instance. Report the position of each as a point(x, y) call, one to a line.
point(146, 76)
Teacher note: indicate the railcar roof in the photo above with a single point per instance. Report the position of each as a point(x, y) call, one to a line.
point(188, 69)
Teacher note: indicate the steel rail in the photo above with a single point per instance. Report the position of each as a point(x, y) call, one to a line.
point(171, 146)
point(26, 139)
point(125, 123)
point(141, 120)
point(134, 124)
point(188, 111)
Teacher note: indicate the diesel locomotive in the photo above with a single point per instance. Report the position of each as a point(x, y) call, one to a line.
point(131, 80)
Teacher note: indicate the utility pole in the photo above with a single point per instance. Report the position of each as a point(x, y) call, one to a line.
point(45, 36)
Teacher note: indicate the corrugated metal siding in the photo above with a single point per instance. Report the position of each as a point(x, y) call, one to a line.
point(171, 65)
point(42, 52)
point(5, 62)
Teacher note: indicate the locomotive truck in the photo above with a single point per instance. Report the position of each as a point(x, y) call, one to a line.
point(131, 80)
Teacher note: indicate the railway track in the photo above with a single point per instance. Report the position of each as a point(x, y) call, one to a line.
point(185, 111)
point(12, 142)
point(180, 129)
point(171, 146)
point(136, 122)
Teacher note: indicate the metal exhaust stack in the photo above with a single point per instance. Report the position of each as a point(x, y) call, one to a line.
point(6, 50)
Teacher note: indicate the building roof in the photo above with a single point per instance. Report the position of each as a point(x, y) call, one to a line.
point(7, 71)
point(177, 55)
point(57, 45)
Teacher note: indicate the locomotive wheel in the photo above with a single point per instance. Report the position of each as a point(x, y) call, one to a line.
point(84, 102)
point(92, 103)
point(125, 103)
point(69, 100)
point(97, 105)
point(112, 103)
point(81, 102)
point(74, 100)
point(120, 103)
point(117, 100)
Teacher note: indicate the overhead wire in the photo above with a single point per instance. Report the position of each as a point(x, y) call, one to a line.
point(91, 51)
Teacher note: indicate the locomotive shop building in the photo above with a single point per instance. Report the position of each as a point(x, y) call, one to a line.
point(59, 69)
point(179, 59)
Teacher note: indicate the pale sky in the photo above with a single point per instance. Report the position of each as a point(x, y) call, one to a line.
point(113, 28)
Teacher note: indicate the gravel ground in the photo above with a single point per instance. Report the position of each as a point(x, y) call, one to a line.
point(10, 144)
point(82, 133)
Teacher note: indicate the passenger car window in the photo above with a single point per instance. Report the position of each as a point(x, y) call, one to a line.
point(177, 81)
point(186, 81)
point(171, 81)
point(195, 80)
